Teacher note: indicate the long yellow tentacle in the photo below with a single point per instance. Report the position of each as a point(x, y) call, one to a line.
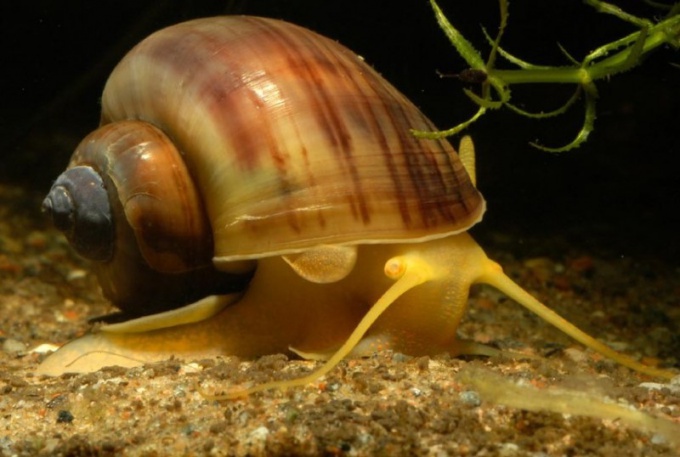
point(408, 271)
point(494, 276)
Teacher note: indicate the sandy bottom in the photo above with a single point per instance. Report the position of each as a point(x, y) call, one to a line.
point(553, 394)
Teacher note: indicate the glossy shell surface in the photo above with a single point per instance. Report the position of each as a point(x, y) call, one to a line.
point(292, 139)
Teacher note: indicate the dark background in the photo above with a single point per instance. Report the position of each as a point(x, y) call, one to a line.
point(617, 195)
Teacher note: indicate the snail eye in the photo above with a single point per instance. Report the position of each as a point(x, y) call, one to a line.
point(79, 206)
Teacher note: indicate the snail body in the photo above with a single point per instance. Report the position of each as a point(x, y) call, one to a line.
point(261, 192)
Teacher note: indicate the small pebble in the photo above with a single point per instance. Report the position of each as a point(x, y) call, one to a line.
point(576, 355)
point(658, 386)
point(192, 367)
point(44, 348)
point(398, 357)
point(259, 434)
point(64, 417)
point(14, 347)
point(658, 439)
point(508, 449)
point(74, 275)
point(470, 397)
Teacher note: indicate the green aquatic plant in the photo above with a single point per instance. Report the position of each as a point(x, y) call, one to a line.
point(605, 61)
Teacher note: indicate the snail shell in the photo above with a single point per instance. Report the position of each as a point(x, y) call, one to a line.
point(230, 139)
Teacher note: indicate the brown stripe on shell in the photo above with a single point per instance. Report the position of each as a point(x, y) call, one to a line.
point(291, 138)
point(418, 157)
point(428, 177)
point(228, 96)
point(430, 200)
point(311, 78)
point(310, 73)
point(366, 116)
point(345, 70)
point(222, 83)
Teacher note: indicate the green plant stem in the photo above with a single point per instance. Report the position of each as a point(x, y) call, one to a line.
point(658, 36)
point(605, 61)
point(663, 33)
point(549, 75)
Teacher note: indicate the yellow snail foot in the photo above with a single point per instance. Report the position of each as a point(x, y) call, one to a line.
point(143, 340)
point(88, 354)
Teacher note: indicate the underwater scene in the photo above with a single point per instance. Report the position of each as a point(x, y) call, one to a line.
point(340, 228)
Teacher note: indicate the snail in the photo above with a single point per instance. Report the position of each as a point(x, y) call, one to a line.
point(254, 188)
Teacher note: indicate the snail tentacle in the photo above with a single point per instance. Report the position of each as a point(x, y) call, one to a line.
point(408, 272)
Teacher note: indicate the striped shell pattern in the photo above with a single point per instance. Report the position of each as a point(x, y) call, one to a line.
point(292, 140)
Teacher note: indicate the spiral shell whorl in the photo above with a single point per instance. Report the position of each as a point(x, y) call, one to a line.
point(156, 250)
point(79, 206)
point(153, 193)
point(292, 140)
